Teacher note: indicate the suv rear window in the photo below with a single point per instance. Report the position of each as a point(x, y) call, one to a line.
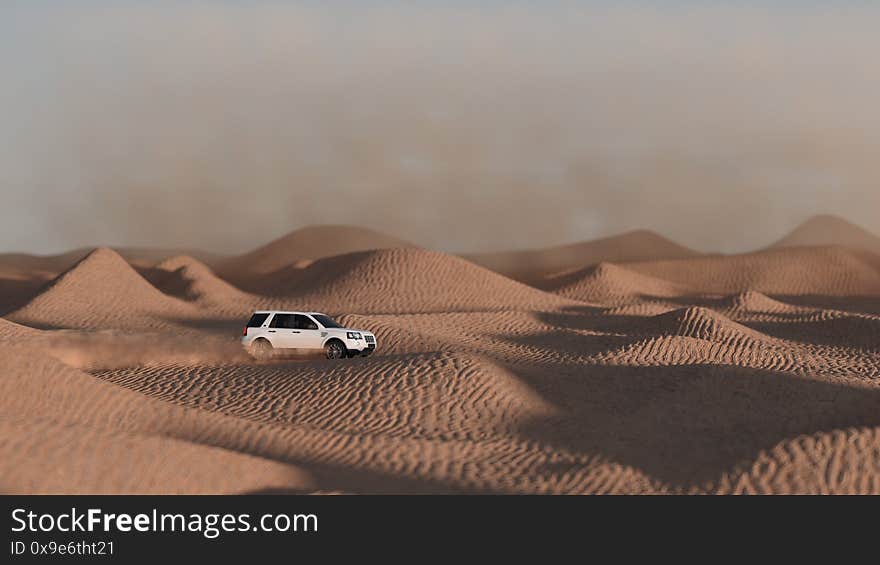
point(257, 320)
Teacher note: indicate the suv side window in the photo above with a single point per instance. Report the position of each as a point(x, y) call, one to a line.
point(303, 322)
point(282, 321)
point(257, 320)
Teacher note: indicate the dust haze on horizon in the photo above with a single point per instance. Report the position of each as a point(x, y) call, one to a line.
point(463, 127)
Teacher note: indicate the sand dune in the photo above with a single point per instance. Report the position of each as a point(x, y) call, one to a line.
point(22, 276)
point(402, 280)
point(830, 230)
point(753, 373)
point(89, 460)
point(831, 271)
point(840, 462)
point(534, 266)
point(607, 283)
point(309, 243)
point(53, 265)
point(703, 323)
point(186, 278)
point(754, 301)
point(449, 396)
point(97, 437)
point(101, 291)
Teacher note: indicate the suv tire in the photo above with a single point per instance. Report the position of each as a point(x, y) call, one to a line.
point(335, 349)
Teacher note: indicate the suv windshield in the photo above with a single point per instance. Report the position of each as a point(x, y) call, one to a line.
point(326, 321)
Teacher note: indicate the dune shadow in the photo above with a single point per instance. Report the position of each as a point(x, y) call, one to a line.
point(43, 326)
point(171, 283)
point(851, 332)
point(682, 424)
point(685, 425)
point(853, 304)
point(588, 318)
point(16, 293)
point(846, 330)
point(849, 329)
point(610, 332)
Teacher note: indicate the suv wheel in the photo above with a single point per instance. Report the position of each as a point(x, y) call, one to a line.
point(335, 349)
point(261, 349)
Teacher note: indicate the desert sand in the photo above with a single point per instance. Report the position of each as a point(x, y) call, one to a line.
point(625, 365)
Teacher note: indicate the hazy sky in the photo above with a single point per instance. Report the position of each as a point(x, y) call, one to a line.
point(458, 125)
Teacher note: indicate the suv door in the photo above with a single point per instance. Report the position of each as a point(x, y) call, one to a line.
point(283, 332)
point(309, 332)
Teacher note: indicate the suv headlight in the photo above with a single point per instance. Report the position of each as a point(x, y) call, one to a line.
point(354, 335)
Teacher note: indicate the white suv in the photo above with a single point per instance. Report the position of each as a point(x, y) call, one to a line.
point(307, 331)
